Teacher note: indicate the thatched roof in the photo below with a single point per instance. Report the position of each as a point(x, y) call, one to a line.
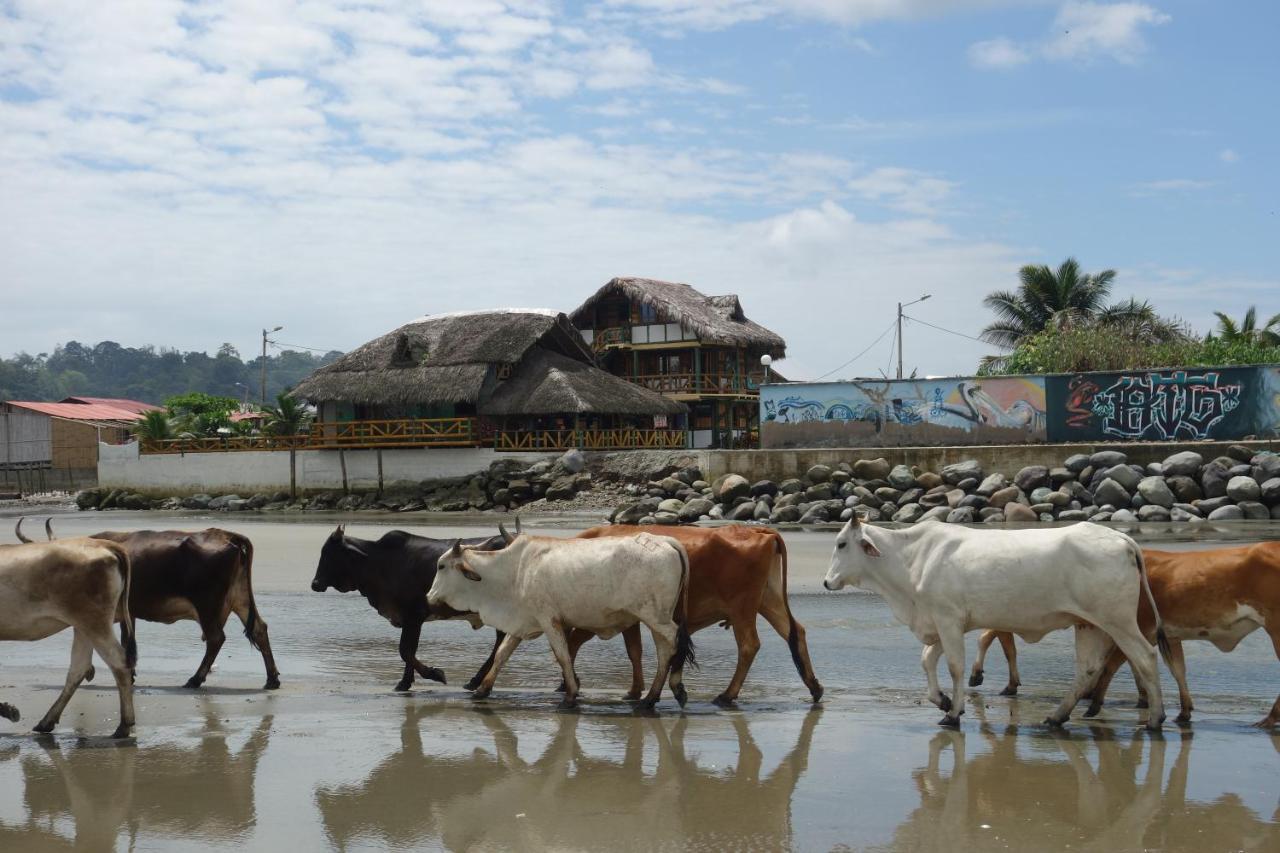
point(440, 359)
point(714, 319)
point(549, 383)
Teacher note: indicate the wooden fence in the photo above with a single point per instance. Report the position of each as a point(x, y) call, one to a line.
point(591, 439)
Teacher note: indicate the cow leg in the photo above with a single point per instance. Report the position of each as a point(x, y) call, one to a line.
point(1142, 660)
point(1011, 658)
point(953, 647)
point(984, 643)
point(112, 654)
point(213, 640)
point(1098, 694)
point(498, 637)
point(664, 644)
point(1273, 718)
point(635, 652)
point(577, 638)
point(505, 648)
point(81, 662)
point(560, 648)
point(1178, 666)
point(929, 656)
point(1092, 646)
point(259, 639)
point(773, 607)
point(748, 640)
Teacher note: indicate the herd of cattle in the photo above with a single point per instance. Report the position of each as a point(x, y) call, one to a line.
point(941, 580)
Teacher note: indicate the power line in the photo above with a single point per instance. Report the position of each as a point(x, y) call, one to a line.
point(859, 355)
point(892, 342)
point(279, 345)
point(940, 329)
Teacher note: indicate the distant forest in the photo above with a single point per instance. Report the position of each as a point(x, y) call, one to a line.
point(149, 374)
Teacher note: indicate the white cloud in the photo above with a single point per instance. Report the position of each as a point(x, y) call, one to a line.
point(1086, 31)
point(1228, 155)
point(997, 53)
point(1167, 185)
point(678, 15)
point(903, 189)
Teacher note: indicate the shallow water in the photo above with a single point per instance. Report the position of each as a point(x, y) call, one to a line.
point(335, 760)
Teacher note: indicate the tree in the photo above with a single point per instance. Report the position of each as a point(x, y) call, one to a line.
point(287, 416)
point(1045, 298)
point(154, 426)
point(1247, 330)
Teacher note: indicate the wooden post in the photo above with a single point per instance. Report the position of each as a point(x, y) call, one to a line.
point(342, 460)
point(379, 452)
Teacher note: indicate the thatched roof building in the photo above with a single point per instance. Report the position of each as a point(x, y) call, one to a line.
point(502, 362)
point(715, 320)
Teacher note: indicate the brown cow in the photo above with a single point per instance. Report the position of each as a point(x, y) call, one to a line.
point(1220, 596)
point(736, 573)
point(80, 584)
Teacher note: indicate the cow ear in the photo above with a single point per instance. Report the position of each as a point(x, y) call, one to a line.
point(353, 547)
point(869, 548)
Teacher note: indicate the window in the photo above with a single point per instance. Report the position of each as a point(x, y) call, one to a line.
point(648, 314)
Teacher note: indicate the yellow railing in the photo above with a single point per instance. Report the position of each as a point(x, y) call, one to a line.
point(706, 383)
point(590, 439)
point(421, 432)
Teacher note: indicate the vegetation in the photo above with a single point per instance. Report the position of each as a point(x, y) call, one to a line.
point(149, 374)
point(154, 426)
point(1247, 331)
point(286, 417)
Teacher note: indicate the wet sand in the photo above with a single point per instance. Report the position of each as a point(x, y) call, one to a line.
point(336, 760)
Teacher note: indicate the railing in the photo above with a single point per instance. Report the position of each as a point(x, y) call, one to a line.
point(609, 337)
point(706, 383)
point(332, 435)
point(590, 439)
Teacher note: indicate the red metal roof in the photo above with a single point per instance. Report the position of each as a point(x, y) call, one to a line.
point(78, 411)
point(135, 406)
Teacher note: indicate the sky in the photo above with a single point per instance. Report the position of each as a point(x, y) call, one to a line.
point(183, 173)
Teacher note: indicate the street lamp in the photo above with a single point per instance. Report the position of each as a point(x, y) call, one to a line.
point(266, 332)
point(900, 307)
point(244, 402)
point(765, 361)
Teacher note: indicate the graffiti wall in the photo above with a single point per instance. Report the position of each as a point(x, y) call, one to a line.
point(1183, 404)
point(997, 410)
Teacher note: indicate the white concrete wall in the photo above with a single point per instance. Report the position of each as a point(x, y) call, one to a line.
point(247, 472)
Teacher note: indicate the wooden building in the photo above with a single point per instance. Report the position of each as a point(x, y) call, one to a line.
point(62, 437)
point(701, 350)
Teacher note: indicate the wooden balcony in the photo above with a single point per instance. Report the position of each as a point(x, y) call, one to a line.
point(417, 432)
point(704, 385)
point(591, 439)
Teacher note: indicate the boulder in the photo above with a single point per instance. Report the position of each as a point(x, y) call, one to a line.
point(673, 505)
point(959, 471)
point(695, 509)
point(347, 503)
point(789, 486)
point(901, 477)
point(816, 514)
point(961, 515)
point(573, 461)
point(819, 492)
point(1184, 488)
point(1254, 511)
point(1270, 491)
point(989, 513)
point(238, 505)
point(1240, 453)
point(818, 474)
point(909, 513)
point(665, 518)
point(1058, 499)
point(671, 485)
point(871, 469)
point(1227, 513)
point(978, 502)
point(1058, 476)
point(1181, 514)
point(968, 484)
point(745, 511)
point(1003, 497)
point(1208, 505)
point(1125, 476)
point(1039, 495)
point(910, 496)
point(1242, 488)
point(1154, 469)
point(1189, 509)
point(1073, 515)
point(1076, 462)
point(725, 489)
point(1184, 464)
point(563, 488)
point(954, 497)
point(1153, 512)
point(763, 510)
point(763, 487)
point(888, 494)
point(1123, 515)
point(992, 484)
point(1031, 477)
point(196, 502)
point(630, 514)
point(928, 480)
point(1019, 512)
point(221, 501)
point(1111, 492)
point(1043, 509)
point(1107, 459)
point(1266, 466)
point(785, 515)
point(1155, 491)
point(840, 477)
point(939, 513)
point(1213, 479)
point(88, 499)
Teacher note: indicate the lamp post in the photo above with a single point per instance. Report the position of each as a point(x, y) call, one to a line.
point(900, 307)
point(765, 361)
point(266, 332)
point(244, 401)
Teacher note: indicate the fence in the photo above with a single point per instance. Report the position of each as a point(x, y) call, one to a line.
point(591, 439)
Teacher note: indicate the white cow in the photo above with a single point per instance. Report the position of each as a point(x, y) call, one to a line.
point(545, 585)
point(81, 584)
point(944, 580)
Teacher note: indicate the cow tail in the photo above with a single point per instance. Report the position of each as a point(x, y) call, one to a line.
point(245, 547)
point(1162, 639)
point(793, 635)
point(684, 641)
point(128, 634)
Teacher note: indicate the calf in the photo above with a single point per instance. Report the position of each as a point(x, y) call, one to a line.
point(943, 580)
point(1220, 596)
point(80, 584)
point(736, 574)
point(545, 585)
point(394, 574)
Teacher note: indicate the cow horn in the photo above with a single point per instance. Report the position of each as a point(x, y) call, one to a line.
point(48, 528)
point(506, 536)
point(455, 548)
point(17, 530)
point(517, 525)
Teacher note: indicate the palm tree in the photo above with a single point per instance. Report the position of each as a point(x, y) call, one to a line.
point(287, 416)
point(1046, 298)
point(1247, 330)
point(154, 426)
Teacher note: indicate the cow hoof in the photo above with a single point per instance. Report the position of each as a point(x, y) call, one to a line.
point(403, 687)
point(1155, 725)
point(1183, 719)
point(273, 683)
point(975, 680)
point(434, 674)
point(43, 727)
point(646, 707)
point(567, 704)
point(482, 692)
point(944, 703)
point(682, 695)
point(121, 732)
point(816, 692)
point(633, 696)
point(88, 676)
point(193, 683)
point(1093, 710)
point(950, 722)
point(562, 688)
point(9, 712)
point(1267, 722)
point(724, 700)
point(472, 684)
point(1010, 690)
point(1053, 723)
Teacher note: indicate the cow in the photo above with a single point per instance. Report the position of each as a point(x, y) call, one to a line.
point(394, 573)
point(736, 573)
point(1220, 596)
point(943, 581)
point(546, 585)
point(82, 584)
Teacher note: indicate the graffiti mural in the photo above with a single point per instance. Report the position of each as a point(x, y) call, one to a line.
point(997, 410)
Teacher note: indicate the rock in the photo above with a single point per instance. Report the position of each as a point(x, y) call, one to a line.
point(841, 477)
point(787, 487)
point(958, 471)
point(742, 512)
point(1153, 512)
point(725, 489)
point(1241, 488)
point(1019, 512)
point(1179, 514)
point(629, 514)
point(1077, 462)
point(968, 484)
point(1208, 505)
point(1227, 513)
point(871, 469)
point(1270, 491)
point(1189, 509)
point(977, 502)
point(785, 515)
point(1254, 511)
point(1155, 491)
point(992, 484)
point(763, 511)
point(1101, 515)
point(237, 505)
point(819, 492)
point(1058, 476)
point(1184, 464)
point(888, 494)
point(954, 497)
point(1031, 478)
point(1002, 497)
point(1042, 509)
point(689, 475)
point(1213, 479)
point(909, 513)
point(700, 486)
point(901, 477)
point(695, 509)
point(1111, 492)
point(1240, 453)
point(1266, 466)
point(503, 497)
point(1125, 476)
point(763, 487)
point(665, 518)
point(815, 515)
point(1184, 488)
point(1073, 515)
point(939, 513)
point(88, 499)
point(672, 505)
point(347, 503)
point(572, 461)
point(1123, 515)
point(961, 515)
point(1059, 499)
point(1107, 459)
point(818, 474)
point(928, 480)
point(258, 501)
point(176, 503)
point(671, 485)
point(562, 489)
point(221, 501)
point(910, 496)
point(133, 501)
point(1039, 495)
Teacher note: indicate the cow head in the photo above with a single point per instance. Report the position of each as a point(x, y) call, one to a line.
point(850, 557)
point(456, 581)
point(338, 559)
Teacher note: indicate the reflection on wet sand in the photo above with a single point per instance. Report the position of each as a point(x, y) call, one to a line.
point(648, 794)
point(1057, 799)
point(81, 798)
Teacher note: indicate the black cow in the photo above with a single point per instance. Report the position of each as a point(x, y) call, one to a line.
point(394, 573)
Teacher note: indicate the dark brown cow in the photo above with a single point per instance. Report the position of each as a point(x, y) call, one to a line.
point(736, 573)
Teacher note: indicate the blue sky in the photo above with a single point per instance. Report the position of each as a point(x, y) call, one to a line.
point(184, 173)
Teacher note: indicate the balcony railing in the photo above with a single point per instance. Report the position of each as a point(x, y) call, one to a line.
point(332, 435)
point(591, 439)
point(704, 384)
point(611, 337)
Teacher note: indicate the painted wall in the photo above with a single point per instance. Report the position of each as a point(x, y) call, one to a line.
point(925, 412)
point(1185, 404)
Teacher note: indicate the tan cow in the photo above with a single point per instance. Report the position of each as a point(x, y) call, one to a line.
point(82, 584)
point(1220, 596)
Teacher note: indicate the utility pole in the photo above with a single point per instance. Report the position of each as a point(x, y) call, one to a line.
point(266, 332)
point(900, 307)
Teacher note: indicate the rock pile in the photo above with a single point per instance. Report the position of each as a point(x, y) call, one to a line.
point(1103, 486)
